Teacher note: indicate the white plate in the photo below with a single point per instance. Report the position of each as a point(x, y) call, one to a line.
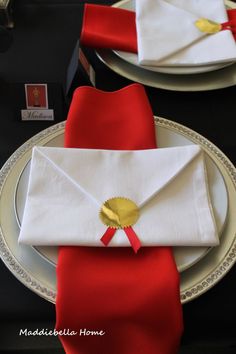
point(40, 276)
point(178, 70)
point(185, 256)
point(212, 80)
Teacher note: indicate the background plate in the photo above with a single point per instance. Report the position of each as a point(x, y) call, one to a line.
point(39, 275)
point(177, 70)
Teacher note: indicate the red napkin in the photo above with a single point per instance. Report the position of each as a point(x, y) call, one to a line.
point(114, 28)
point(109, 27)
point(133, 298)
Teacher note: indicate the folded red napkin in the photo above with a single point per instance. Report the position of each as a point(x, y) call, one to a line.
point(109, 27)
point(114, 28)
point(131, 301)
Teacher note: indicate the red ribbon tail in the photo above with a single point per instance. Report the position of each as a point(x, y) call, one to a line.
point(231, 24)
point(133, 238)
point(106, 238)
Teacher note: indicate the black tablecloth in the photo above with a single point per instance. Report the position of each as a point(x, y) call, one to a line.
point(45, 34)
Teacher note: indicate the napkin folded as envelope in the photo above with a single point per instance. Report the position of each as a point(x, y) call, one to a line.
point(67, 188)
point(167, 34)
point(165, 31)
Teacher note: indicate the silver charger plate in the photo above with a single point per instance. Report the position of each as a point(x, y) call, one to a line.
point(200, 78)
point(185, 257)
point(39, 275)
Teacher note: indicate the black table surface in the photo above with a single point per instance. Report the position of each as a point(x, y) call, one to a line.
point(44, 36)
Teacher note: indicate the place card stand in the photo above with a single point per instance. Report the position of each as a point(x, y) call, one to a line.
point(79, 73)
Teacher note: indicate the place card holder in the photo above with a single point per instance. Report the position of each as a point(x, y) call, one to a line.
point(80, 72)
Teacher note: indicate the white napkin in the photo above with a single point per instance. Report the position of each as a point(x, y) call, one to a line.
point(167, 34)
point(67, 188)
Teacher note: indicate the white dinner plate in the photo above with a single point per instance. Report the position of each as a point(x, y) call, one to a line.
point(132, 58)
point(39, 275)
point(185, 256)
point(176, 70)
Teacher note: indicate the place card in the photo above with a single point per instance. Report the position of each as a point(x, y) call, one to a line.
point(36, 97)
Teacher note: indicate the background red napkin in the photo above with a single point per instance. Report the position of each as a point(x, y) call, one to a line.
point(114, 28)
point(109, 27)
point(133, 298)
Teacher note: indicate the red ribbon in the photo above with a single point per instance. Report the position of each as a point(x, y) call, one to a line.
point(133, 238)
point(231, 24)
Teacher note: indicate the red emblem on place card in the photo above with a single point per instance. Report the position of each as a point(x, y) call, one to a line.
point(36, 96)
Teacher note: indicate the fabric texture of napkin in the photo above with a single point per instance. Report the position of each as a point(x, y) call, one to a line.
point(133, 298)
point(155, 38)
point(168, 186)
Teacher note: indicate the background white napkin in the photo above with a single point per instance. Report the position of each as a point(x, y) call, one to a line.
point(167, 34)
point(67, 188)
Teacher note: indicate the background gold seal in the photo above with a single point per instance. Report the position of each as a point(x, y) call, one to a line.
point(208, 26)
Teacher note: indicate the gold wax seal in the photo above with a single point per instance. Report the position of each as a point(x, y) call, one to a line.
point(208, 26)
point(119, 213)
